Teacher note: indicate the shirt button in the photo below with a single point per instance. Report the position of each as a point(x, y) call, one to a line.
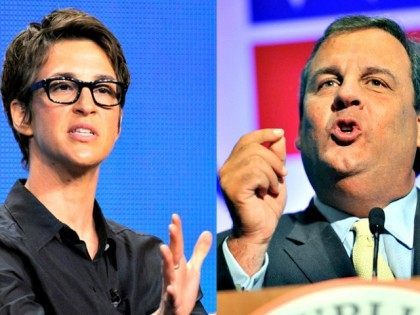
point(106, 246)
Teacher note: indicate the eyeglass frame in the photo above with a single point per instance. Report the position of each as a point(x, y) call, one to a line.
point(45, 84)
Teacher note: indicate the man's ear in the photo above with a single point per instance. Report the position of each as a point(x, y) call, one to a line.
point(418, 130)
point(298, 144)
point(19, 118)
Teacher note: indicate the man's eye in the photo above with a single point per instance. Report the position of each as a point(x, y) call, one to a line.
point(376, 82)
point(328, 84)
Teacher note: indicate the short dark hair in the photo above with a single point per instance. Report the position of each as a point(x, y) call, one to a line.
point(28, 52)
point(353, 23)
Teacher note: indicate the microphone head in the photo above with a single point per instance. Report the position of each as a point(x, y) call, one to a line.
point(376, 220)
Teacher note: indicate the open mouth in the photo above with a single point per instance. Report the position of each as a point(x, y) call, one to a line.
point(345, 131)
point(346, 127)
point(82, 131)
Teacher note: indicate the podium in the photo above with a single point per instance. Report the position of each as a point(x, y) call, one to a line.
point(349, 296)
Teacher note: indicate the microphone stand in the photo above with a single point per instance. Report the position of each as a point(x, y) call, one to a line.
point(375, 253)
point(376, 226)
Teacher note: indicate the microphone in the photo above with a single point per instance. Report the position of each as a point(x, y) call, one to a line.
point(115, 297)
point(376, 226)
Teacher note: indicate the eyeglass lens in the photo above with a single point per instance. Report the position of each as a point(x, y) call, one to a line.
point(67, 91)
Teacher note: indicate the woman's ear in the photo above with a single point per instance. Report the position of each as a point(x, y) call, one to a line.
point(19, 118)
point(120, 122)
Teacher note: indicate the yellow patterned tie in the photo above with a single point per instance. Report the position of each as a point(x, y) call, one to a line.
point(362, 254)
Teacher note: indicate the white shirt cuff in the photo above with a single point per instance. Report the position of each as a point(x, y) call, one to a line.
point(241, 279)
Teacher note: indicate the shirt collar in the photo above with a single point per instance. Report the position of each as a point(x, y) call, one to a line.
point(106, 235)
point(36, 222)
point(399, 218)
point(340, 221)
point(41, 226)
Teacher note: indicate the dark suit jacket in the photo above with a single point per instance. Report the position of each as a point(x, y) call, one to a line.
point(305, 249)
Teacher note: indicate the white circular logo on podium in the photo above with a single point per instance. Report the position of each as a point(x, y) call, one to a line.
point(348, 297)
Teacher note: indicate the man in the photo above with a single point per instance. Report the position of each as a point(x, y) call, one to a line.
point(358, 136)
point(63, 86)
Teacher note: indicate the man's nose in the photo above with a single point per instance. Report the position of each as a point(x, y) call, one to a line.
point(85, 105)
point(348, 94)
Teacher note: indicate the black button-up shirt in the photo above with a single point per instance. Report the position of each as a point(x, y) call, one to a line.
point(45, 268)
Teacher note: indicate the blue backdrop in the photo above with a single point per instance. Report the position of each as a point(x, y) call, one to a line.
point(164, 161)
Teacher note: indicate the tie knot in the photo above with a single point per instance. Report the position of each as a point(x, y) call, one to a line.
point(361, 227)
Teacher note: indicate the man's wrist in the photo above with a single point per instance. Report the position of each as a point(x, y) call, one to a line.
point(254, 238)
point(241, 279)
point(249, 254)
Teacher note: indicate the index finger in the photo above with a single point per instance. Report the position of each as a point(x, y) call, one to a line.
point(279, 149)
point(168, 266)
point(259, 136)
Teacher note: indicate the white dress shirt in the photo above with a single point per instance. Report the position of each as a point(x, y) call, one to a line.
point(396, 244)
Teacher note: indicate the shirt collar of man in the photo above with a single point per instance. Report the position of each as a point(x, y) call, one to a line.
point(399, 218)
point(41, 226)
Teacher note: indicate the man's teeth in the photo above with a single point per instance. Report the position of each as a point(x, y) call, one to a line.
point(346, 129)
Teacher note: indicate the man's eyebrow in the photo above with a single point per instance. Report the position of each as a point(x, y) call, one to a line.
point(326, 70)
point(379, 70)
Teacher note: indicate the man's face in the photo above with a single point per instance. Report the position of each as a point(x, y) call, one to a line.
point(81, 134)
point(359, 115)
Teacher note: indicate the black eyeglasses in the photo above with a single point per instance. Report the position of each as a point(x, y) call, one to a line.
point(63, 90)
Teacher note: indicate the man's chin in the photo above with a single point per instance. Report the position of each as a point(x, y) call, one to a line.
point(345, 169)
point(340, 168)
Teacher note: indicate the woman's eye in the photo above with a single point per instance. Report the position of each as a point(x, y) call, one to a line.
point(62, 86)
point(104, 89)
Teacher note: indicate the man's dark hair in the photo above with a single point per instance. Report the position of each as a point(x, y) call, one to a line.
point(353, 23)
point(28, 52)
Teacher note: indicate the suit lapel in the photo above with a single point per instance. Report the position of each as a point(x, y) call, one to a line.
point(416, 244)
point(319, 253)
point(315, 248)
